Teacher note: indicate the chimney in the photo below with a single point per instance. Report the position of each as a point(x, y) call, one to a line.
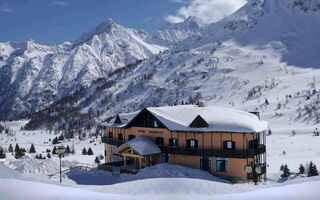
point(201, 104)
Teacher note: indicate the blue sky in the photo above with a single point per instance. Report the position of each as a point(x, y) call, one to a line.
point(53, 21)
point(56, 21)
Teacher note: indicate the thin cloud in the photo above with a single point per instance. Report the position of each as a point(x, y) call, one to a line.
point(5, 7)
point(206, 11)
point(59, 3)
point(148, 20)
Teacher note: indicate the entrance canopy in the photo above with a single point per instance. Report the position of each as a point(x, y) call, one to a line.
point(141, 149)
point(141, 145)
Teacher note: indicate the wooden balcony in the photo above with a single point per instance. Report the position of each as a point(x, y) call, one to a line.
point(247, 153)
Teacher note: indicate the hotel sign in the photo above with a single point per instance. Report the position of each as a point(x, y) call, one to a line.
point(150, 131)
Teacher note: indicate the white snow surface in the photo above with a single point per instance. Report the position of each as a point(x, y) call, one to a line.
point(142, 145)
point(179, 118)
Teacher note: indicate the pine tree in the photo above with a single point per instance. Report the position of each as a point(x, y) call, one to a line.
point(55, 141)
point(281, 167)
point(54, 150)
point(97, 160)
point(61, 137)
point(90, 152)
point(48, 155)
point(84, 151)
point(17, 148)
point(10, 149)
point(68, 149)
point(2, 153)
point(266, 102)
point(301, 169)
point(18, 152)
point(286, 171)
point(312, 170)
point(32, 149)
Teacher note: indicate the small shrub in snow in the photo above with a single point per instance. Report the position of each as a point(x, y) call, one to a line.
point(54, 150)
point(2, 153)
point(285, 171)
point(19, 152)
point(10, 149)
point(32, 149)
point(312, 170)
point(84, 151)
point(48, 155)
point(68, 150)
point(301, 169)
point(90, 152)
point(97, 160)
point(55, 141)
point(61, 137)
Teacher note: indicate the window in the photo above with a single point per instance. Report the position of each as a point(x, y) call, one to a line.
point(229, 145)
point(120, 136)
point(159, 140)
point(173, 142)
point(221, 164)
point(131, 137)
point(155, 124)
point(110, 135)
point(192, 143)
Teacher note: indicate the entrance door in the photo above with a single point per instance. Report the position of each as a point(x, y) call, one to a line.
point(205, 164)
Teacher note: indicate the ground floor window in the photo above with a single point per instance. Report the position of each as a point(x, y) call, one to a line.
point(205, 164)
point(221, 164)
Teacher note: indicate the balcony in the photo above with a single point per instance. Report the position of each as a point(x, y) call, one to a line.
point(248, 153)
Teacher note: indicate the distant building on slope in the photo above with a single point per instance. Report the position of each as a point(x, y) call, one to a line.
point(218, 140)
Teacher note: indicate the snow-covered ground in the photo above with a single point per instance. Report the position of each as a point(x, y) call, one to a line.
point(161, 181)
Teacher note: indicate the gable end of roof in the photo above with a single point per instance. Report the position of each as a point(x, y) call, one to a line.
point(199, 122)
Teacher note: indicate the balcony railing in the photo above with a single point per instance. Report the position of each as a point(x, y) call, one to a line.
point(247, 153)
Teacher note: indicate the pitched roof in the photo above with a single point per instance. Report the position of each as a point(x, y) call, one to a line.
point(142, 145)
point(179, 118)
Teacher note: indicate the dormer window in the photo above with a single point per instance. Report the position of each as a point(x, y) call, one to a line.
point(199, 122)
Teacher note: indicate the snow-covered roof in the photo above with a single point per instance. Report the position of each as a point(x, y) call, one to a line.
point(124, 118)
point(142, 145)
point(219, 119)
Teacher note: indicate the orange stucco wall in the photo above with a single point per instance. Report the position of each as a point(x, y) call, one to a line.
point(188, 161)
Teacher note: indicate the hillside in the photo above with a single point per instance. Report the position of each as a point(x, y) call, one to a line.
point(227, 65)
point(33, 75)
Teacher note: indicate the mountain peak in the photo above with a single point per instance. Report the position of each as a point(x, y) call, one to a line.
point(104, 27)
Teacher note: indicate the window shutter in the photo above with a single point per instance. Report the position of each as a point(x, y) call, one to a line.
point(188, 144)
point(233, 145)
point(224, 144)
point(195, 143)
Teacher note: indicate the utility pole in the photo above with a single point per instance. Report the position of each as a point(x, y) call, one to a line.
point(60, 151)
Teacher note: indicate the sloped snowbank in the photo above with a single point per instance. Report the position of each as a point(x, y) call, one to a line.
point(164, 170)
point(31, 166)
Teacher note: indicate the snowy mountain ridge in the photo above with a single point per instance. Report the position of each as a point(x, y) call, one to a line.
point(259, 52)
point(34, 74)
